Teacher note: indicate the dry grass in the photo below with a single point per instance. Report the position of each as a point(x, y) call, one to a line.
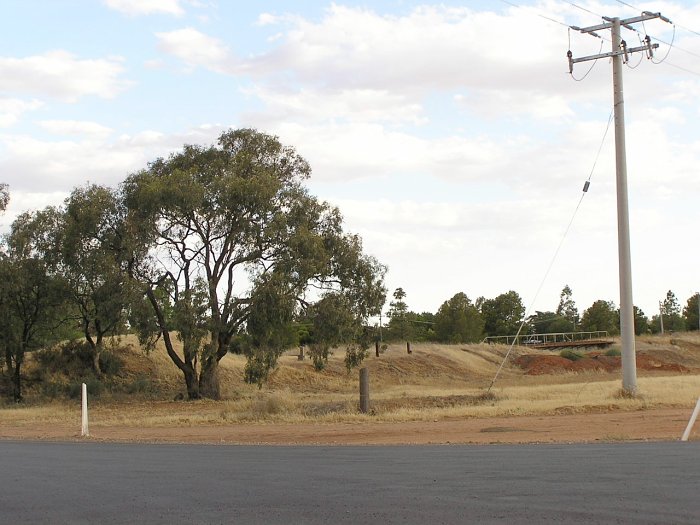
point(435, 382)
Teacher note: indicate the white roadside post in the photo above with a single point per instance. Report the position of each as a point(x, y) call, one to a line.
point(686, 434)
point(84, 431)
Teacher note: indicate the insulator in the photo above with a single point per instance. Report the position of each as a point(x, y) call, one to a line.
point(586, 185)
point(623, 45)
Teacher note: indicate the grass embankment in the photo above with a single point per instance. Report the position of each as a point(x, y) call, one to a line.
point(434, 382)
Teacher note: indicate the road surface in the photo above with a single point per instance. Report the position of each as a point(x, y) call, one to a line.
point(44, 482)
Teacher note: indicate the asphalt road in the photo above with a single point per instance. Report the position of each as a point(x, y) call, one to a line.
point(133, 483)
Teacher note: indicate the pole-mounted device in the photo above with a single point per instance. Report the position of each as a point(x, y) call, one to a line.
point(620, 52)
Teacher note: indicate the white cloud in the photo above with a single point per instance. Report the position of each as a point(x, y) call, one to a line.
point(196, 49)
point(61, 75)
point(359, 105)
point(30, 164)
point(364, 150)
point(265, 19)
point(12, 108)
point(75, 127)
point(146, 7)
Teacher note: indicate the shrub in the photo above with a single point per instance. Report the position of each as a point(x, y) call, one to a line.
point(110, 363)
point(613, 352)
point(354, 356)
point(94, 388)
point(319, 355)
point(571, 355)
point(140, 385)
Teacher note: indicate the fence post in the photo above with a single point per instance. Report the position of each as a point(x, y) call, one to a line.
point(408, 347)
point(364, 390)
point(376, 348)
point(84, 430)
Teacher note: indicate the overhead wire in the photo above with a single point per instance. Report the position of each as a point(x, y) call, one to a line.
point(537, 13)
point(640, 10)
point(590, 68)
point(586, 185)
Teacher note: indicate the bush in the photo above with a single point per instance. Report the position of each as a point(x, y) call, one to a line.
point(110, 363)
point(571, 355)
point(94, 388)
point(613, 352)
point(319, 355)
point(140, 385)
point(51, 389)
point(354, 356)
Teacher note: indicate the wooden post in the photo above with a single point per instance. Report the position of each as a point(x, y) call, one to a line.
point(364, 390)
point(300, 357)
point(376, 348)
point(408, 347)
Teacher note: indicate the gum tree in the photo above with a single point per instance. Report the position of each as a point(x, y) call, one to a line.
point(238, 247)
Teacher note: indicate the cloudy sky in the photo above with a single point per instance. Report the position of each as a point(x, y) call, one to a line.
point(450, 134)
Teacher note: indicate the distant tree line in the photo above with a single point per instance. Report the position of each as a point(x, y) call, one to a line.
point(459, 320)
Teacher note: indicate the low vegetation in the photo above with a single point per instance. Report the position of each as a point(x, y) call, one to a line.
point(434, 382)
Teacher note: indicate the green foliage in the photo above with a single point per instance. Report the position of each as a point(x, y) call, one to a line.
point(336, 322)
point(671, 311)
point(110, 363)
point(613, 352)
point(458, 321)
point(690, 313)
point(319, 354)
point(399, 326)
point(140, 385)
point(601, 316)
point(641, 322)
point(94, 387)
point(567, 307)
point(571, 355)
point(258, 366)
point(4, 196)
point(237, 215)
point(503, 314)
point(31, 300)
point(354, 355)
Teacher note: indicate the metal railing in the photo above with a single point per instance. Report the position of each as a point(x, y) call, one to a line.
point(539, 339)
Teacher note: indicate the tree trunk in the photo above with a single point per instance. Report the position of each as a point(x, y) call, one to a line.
point(209, 378)
point(192, 383)
point(95, 348)
point(17, 382)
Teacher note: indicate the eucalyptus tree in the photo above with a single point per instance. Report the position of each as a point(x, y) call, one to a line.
point(503, 314)
point(601, 316)
point(32, 300)
point(92, 255)
point(399, 326)
point(459, 321)
point(238, 248)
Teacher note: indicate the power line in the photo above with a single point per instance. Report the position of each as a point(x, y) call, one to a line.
point(637, 9)
point(681, 68)
point(582, 8)
point(586, 185)
point(537, 13)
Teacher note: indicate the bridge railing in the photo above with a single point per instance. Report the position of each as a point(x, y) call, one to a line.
point(538, 339)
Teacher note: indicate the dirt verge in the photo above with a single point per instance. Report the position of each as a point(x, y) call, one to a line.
point(654, 425)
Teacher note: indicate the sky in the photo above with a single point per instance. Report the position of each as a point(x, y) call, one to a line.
point(450, 134)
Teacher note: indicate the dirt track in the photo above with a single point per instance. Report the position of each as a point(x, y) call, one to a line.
point(655, 425)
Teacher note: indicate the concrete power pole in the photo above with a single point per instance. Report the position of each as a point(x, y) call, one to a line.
point(619, 52)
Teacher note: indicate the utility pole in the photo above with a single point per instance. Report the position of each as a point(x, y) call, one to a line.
point(619, 52)
point(661, 316)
